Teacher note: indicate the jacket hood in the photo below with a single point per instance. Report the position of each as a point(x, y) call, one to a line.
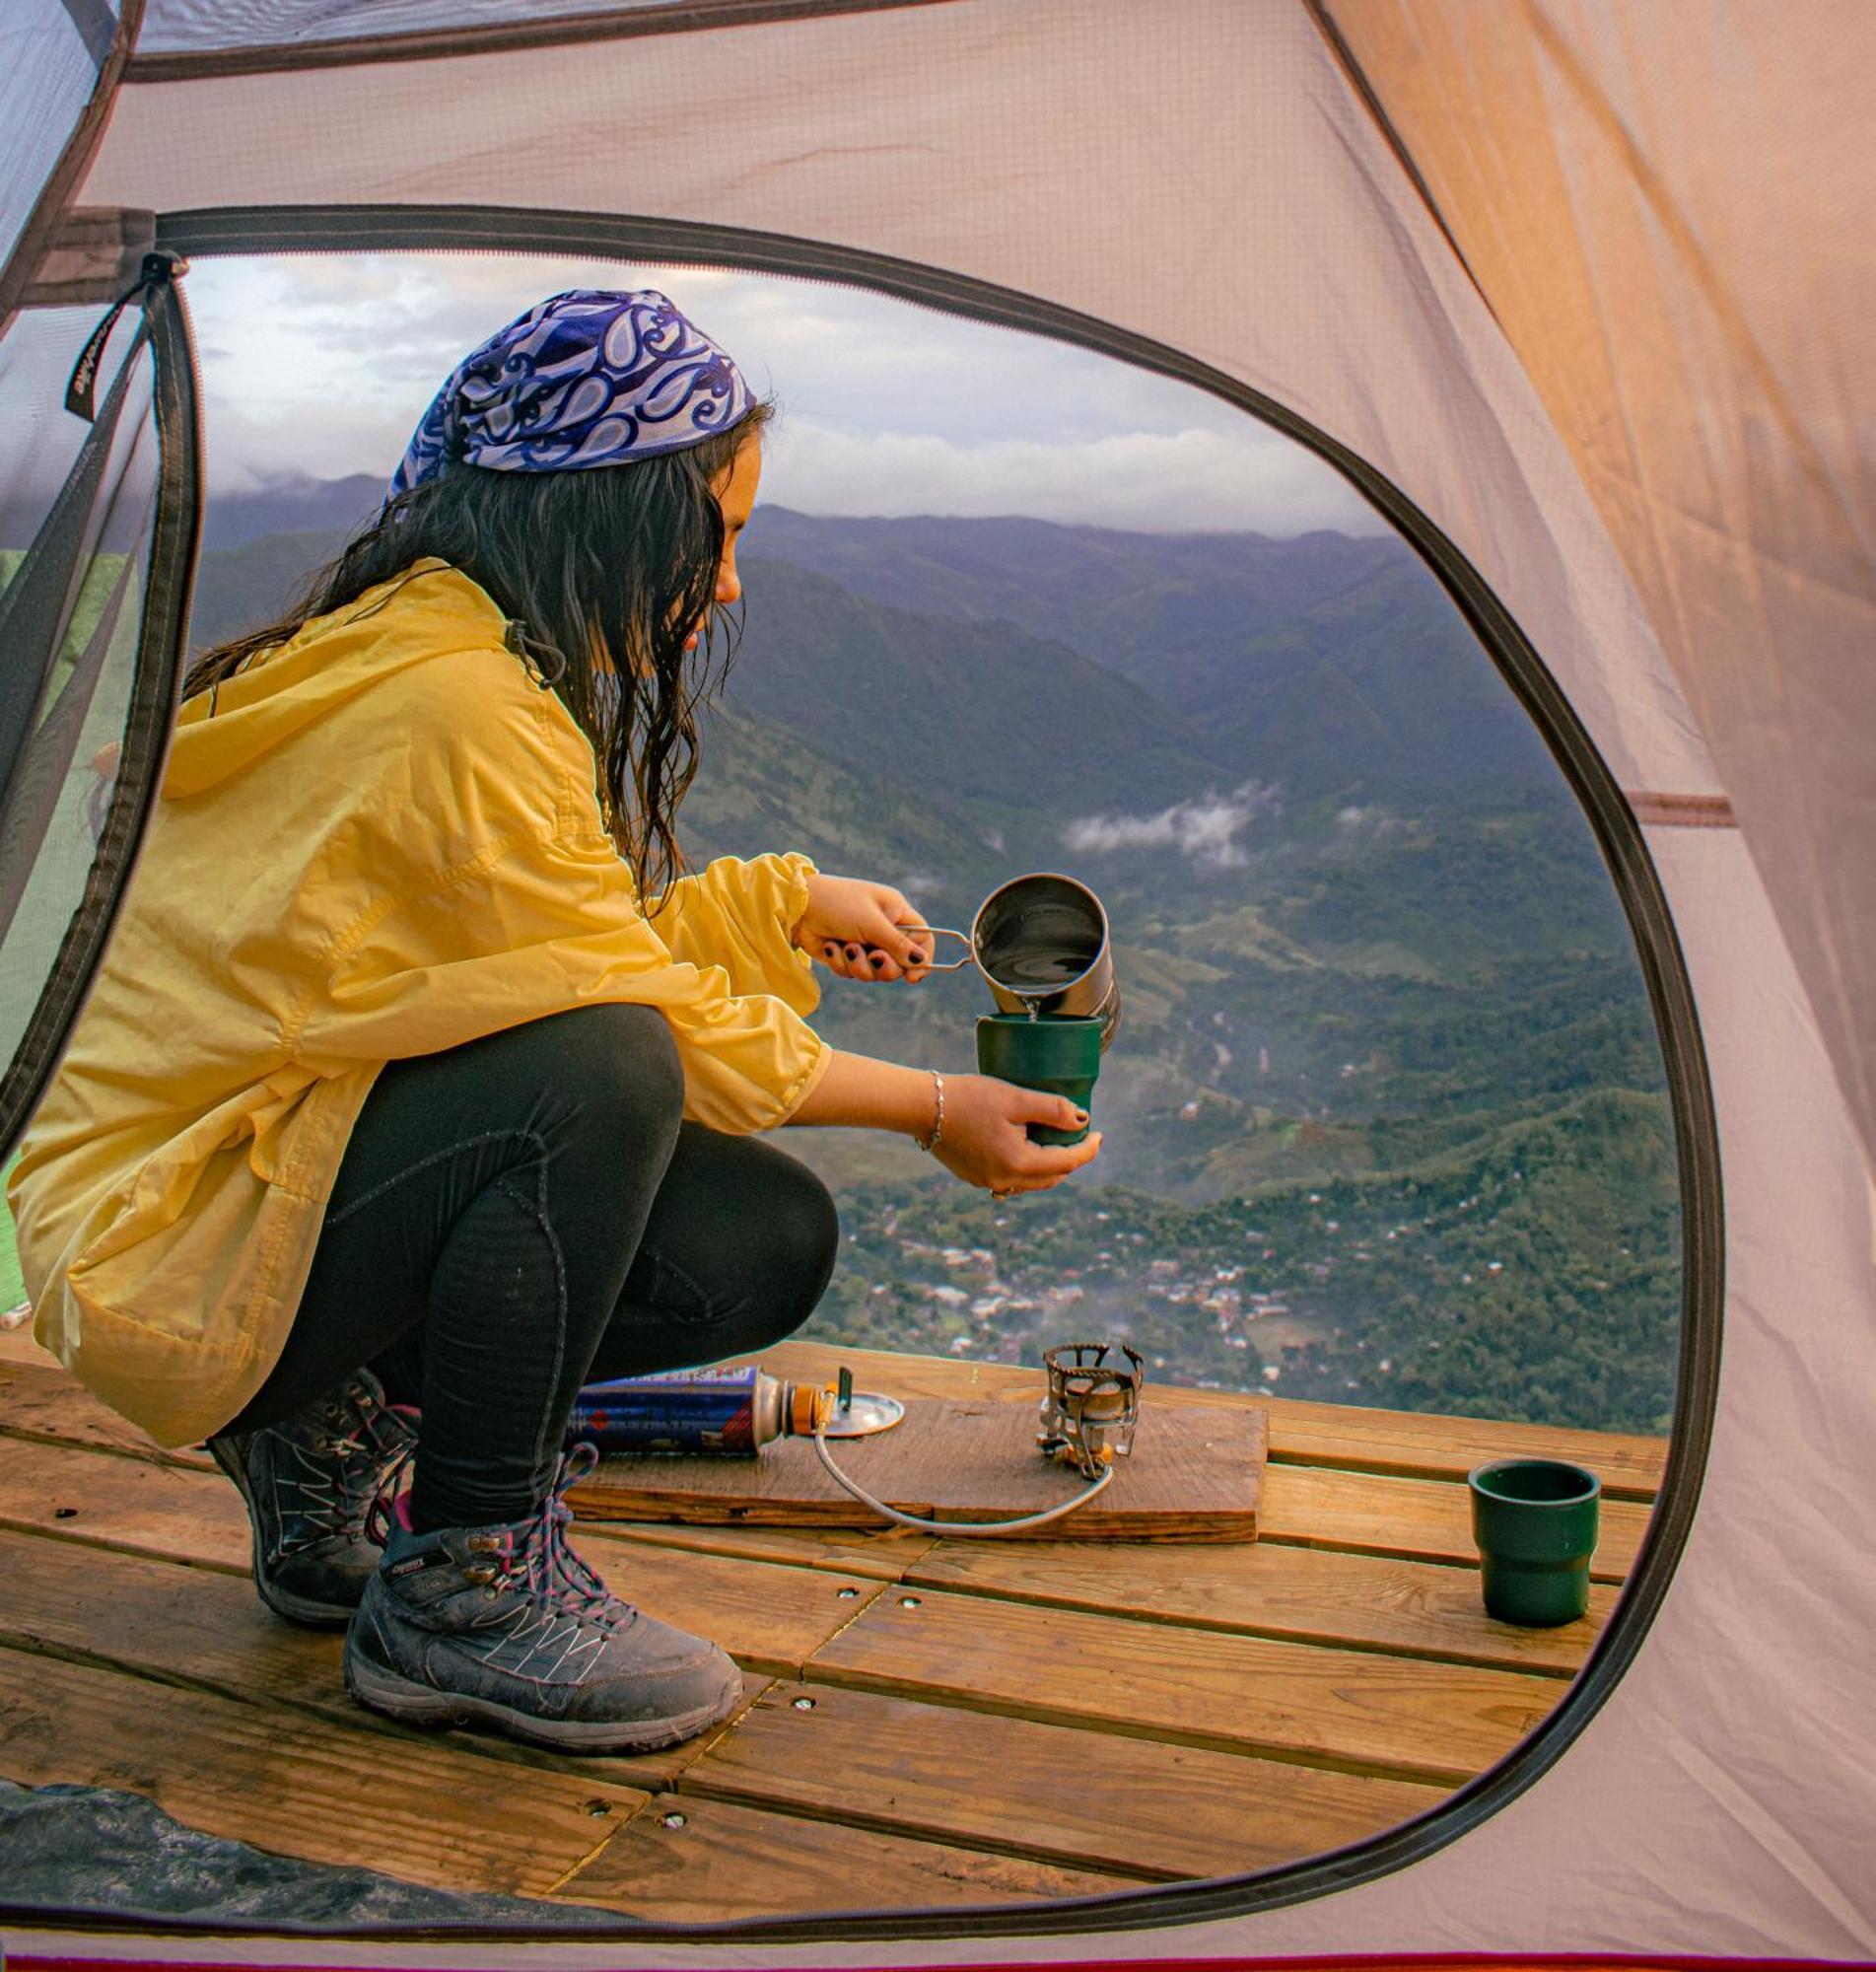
point(429, 612)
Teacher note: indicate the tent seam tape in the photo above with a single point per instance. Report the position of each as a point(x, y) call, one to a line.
point(673, 17)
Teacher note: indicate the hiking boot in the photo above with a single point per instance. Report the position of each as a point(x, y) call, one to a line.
point(506, 1626)
point(309, 1484)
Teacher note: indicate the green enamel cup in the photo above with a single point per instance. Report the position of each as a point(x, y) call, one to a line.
point(1059, 1054)
point(1534, 1521)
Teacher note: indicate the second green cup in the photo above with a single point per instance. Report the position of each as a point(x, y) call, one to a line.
point(1060, 1055)
point(1535, 1523)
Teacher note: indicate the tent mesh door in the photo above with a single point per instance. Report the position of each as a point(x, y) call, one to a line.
point(98, 526)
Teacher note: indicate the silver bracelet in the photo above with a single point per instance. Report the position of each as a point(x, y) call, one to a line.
point(936, 1137)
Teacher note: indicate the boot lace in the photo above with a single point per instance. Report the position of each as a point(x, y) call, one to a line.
point(535, 1553)
point(370, 1457)
point(533, 1556)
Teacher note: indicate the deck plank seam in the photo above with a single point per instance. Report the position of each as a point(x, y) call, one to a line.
point(619, 1825)
point(1220, 1626)
point(908, 1829)
point(1042, 1713)
point(1636, 1493)
point(150, 1454)
point(348, 1720)
point(861, 1604)
point(701, 1538)
point(119, 1544)
point(343, 1714)
point(1608, 1578)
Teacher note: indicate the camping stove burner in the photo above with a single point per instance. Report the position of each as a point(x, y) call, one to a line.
point(1092, 1406)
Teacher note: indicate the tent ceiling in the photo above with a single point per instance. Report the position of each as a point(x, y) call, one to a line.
point(1671, 210)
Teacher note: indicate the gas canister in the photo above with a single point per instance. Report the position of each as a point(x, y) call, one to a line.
point(688, 1413)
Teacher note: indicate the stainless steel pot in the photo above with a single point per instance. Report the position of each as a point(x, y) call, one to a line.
point(1042, 944)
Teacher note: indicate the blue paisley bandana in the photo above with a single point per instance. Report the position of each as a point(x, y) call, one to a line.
point(588, 378)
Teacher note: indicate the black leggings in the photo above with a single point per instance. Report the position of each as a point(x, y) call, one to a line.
point(528, 1213)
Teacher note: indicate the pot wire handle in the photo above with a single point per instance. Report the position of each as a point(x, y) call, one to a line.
point(938, 931)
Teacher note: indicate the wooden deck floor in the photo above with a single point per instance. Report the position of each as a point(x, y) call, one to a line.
point(926, 1722)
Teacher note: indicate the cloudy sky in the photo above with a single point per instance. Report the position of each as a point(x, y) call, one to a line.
point(322, 364)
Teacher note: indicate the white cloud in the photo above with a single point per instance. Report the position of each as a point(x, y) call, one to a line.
point(324, 364)
point(1206, 829)
point(1158, 481)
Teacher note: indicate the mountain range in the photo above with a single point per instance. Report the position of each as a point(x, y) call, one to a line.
point(1053, 667)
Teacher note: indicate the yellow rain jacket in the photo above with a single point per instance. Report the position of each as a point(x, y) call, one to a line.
point(381, 839)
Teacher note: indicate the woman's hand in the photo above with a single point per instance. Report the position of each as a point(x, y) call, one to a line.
point(857, 930)
point(983, 1138)
point(984, 1141)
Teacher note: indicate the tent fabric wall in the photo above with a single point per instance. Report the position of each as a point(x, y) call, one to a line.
point(1206, 174)
point(1670, 209)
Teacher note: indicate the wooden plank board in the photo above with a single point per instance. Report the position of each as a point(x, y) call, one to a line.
point(123, 1504)
point(50, 1407)
point(769, 1617)
point(883, 1554)
point(1377, 1440)
point(1052, 1793)
point(1309, 1594)
point(686, 1860)
point(39, 1400)
point(1437, 1446)
point(301, 1786)
point(176, 1625)
point(1355, 1711)
point(1418, 1519)
point(1190, 1477)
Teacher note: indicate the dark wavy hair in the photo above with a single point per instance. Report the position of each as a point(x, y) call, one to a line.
point(603, 573)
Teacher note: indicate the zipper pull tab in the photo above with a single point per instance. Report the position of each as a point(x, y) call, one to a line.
point(81, 392)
